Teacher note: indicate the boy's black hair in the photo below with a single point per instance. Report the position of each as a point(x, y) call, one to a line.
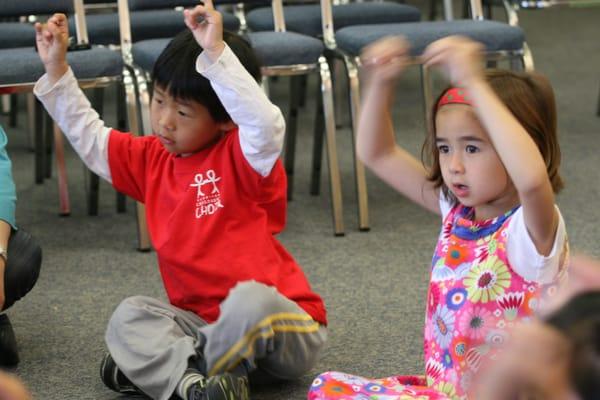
point(175, 71)
point(579, 321)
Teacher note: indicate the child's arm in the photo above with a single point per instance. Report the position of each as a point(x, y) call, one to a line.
point(376, 144)
point(65, 102)
point(261, 124)
point(462, 61)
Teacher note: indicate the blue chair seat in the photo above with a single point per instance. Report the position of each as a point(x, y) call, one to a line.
point(24, 65)
point(104, 28)
point(268, 46)
point(285, 48)
point(494, 35)
point(306, 19)
point(16, 34)
point(145, 53)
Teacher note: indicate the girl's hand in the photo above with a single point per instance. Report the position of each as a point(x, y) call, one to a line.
point(460, 58)
point(206, 24)
point(386, 59)
point(52, 40)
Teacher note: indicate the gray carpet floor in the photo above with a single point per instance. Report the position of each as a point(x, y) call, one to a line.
point(374, 283)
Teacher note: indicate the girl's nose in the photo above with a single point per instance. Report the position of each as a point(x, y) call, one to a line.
point(456, 164)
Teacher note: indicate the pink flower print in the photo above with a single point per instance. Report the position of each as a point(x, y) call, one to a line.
point(434, 296)
point(446, 230)
point(497, 338)
point(433, 371)
point(475, 357)
point(487, 280)
point(475, 323)
point(510, 304)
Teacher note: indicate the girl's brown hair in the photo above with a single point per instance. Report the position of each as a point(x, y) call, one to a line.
point(530, 98)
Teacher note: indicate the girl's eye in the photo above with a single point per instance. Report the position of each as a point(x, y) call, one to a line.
point(183, 113)
point(443, 149)
point(472, 149)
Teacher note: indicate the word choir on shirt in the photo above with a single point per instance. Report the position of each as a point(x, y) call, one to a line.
point(208, 198)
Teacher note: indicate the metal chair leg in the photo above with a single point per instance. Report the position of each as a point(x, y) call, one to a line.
point(31, 127)
point(131, 80)
point(332, 158)
point(121, 200)
point(14, 109)
point(38, 142)
point(292, 128)
point(48, 142)
point(61, 172)
point(359, 169)
point(317, 157)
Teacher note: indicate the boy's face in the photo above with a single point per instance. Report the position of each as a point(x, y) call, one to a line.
point(183, 127)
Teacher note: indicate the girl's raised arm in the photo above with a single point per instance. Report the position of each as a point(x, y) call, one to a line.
point(461, 59)
point(384, 61)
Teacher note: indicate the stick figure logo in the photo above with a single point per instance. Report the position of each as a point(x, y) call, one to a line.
point(207, 204)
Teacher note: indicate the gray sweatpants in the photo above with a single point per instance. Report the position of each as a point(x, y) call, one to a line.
point(259, 331)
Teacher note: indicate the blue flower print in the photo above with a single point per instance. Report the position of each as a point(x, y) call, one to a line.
point(443, 326)
point(447, 359)
point(375, 388)
point(456, 298)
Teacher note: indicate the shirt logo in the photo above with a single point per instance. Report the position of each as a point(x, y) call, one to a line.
point(207, 203)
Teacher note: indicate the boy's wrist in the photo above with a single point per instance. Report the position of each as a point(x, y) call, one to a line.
point(56, 71)
point(215, 52)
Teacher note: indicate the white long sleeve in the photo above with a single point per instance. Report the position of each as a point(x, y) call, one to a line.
point(81, 124)
point(260, 122)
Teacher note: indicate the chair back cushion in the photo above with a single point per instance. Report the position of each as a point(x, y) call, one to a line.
point(18, 8)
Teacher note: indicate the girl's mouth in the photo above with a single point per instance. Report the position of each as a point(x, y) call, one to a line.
point(460, 190)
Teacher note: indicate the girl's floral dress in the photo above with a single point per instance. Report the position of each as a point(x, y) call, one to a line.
point(474, 297)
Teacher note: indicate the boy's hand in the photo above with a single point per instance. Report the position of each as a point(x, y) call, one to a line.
point(460, 58)
point(386, 58)
point(52, 40)
point(206, 24)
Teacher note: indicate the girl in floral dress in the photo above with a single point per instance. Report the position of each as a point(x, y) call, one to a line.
point(492, 176)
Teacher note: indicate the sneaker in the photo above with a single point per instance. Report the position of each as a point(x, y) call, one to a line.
point(220, 387)
point(9, 356)
point(114, 379)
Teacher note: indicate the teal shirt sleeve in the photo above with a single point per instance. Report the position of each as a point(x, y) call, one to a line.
point(8, 195)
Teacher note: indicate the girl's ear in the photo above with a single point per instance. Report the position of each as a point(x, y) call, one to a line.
point(227, 126)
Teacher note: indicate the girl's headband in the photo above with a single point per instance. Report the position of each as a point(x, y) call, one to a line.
point(454, 96)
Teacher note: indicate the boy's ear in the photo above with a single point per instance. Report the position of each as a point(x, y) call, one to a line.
point(227, 126)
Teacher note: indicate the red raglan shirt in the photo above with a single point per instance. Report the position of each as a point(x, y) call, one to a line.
point(212, 220)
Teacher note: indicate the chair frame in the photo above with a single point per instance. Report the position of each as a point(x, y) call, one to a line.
point(352, 65)
point(40, 148)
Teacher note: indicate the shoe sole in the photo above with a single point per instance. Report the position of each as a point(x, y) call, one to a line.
point(109, 376)
point(227, 388)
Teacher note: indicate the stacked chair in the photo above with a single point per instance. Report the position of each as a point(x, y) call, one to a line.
point(317, 20)
point(21, 68)
point(501, 41)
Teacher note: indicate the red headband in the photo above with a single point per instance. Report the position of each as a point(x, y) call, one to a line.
point(454, 96)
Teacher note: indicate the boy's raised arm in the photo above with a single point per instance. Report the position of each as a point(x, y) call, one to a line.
point(65, 102)
point(261, 123)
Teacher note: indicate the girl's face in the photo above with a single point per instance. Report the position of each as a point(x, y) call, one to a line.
point(183, 127)
point(471, 168)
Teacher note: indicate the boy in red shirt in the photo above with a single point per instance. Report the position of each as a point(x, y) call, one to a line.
point(214, 191)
